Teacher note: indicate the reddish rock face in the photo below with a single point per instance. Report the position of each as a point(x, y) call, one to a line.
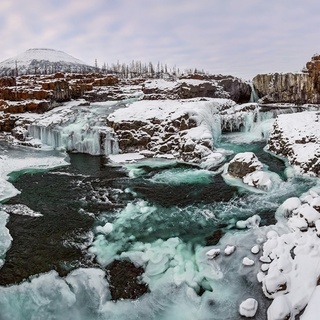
point(303, 87)
point(7, 82)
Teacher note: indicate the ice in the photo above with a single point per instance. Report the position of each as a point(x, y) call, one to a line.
point(5, 237)
point(80, 295)
point(76, 128)
point(178, 270)
point(20, 209)
point(106, 229)
point(125, 157)
point(21, 159)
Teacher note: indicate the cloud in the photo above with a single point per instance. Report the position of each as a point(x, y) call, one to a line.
point(241, 38)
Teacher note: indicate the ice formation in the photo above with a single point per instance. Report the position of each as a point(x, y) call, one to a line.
point(20, 161)
point(5, 237)
point(76, 128)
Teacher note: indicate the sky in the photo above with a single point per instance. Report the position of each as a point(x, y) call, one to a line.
point(238, 37)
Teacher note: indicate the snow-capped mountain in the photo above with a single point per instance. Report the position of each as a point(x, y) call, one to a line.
point(42, 61)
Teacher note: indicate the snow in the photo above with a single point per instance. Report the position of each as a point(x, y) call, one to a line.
point(5, 237)
point(248, 308)
point(211, 254)
point(229, 250)
point(25, 58)
point(293, 259)
point(20, 209)
point(255, 249)
point(251, 222)
point(165, 85)
point(312, 309)
point(20, 160)
point(147, 110)
point(301, 133)
point(247, 261)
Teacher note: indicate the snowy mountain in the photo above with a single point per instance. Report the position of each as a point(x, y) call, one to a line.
point(42, 61)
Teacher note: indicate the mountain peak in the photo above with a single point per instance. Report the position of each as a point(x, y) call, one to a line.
point(42, 60)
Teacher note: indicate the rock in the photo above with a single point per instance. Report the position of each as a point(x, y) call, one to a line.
point(248, 308)
point(243, 164)
point(125, 280)
point(20, 133)
point(193, 86)
point(297, 138)
point(214, 238)
point(300, 88)
point(7, 81)
point(238, 90)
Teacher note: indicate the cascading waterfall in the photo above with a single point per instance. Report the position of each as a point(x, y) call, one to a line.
point(253, 96)
point(84, 131)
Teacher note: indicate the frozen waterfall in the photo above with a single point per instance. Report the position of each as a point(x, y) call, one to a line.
point(78, 129)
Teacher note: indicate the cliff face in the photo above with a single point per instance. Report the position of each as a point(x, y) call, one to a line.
point(298, 88)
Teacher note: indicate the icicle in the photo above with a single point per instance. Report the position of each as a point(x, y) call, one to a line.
point(82, 132)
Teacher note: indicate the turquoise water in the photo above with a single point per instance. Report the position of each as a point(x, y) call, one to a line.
point(165, 217)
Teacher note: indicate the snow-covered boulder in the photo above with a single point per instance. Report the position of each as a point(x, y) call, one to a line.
point(248, 308)
point(246, 168)
point(243, 164)
point(297, 138)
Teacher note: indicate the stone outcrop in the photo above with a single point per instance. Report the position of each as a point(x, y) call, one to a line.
point(195, 86)
point(156, 137)
point(39, 93)
point(298, 88)
point(296, 137)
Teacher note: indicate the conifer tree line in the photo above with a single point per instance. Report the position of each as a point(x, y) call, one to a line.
point(143, 70)
point(122, 70)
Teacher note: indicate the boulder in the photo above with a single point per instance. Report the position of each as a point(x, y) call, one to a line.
point(243, 164)
point(125, 280)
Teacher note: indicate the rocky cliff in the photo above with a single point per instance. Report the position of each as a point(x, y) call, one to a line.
point(298, 88)
point(195, 86)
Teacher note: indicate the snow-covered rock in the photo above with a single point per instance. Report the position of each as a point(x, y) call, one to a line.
point(291, 269)
point(297, 138)
point(246, 167)
point(248, 308)
point(198, 86)
point(186, 129)
point(243, 164)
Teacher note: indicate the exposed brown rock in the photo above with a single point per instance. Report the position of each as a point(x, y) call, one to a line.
point(300, 88)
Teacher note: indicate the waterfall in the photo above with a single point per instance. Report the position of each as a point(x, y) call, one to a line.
point(253, 96)
point(80, 130)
